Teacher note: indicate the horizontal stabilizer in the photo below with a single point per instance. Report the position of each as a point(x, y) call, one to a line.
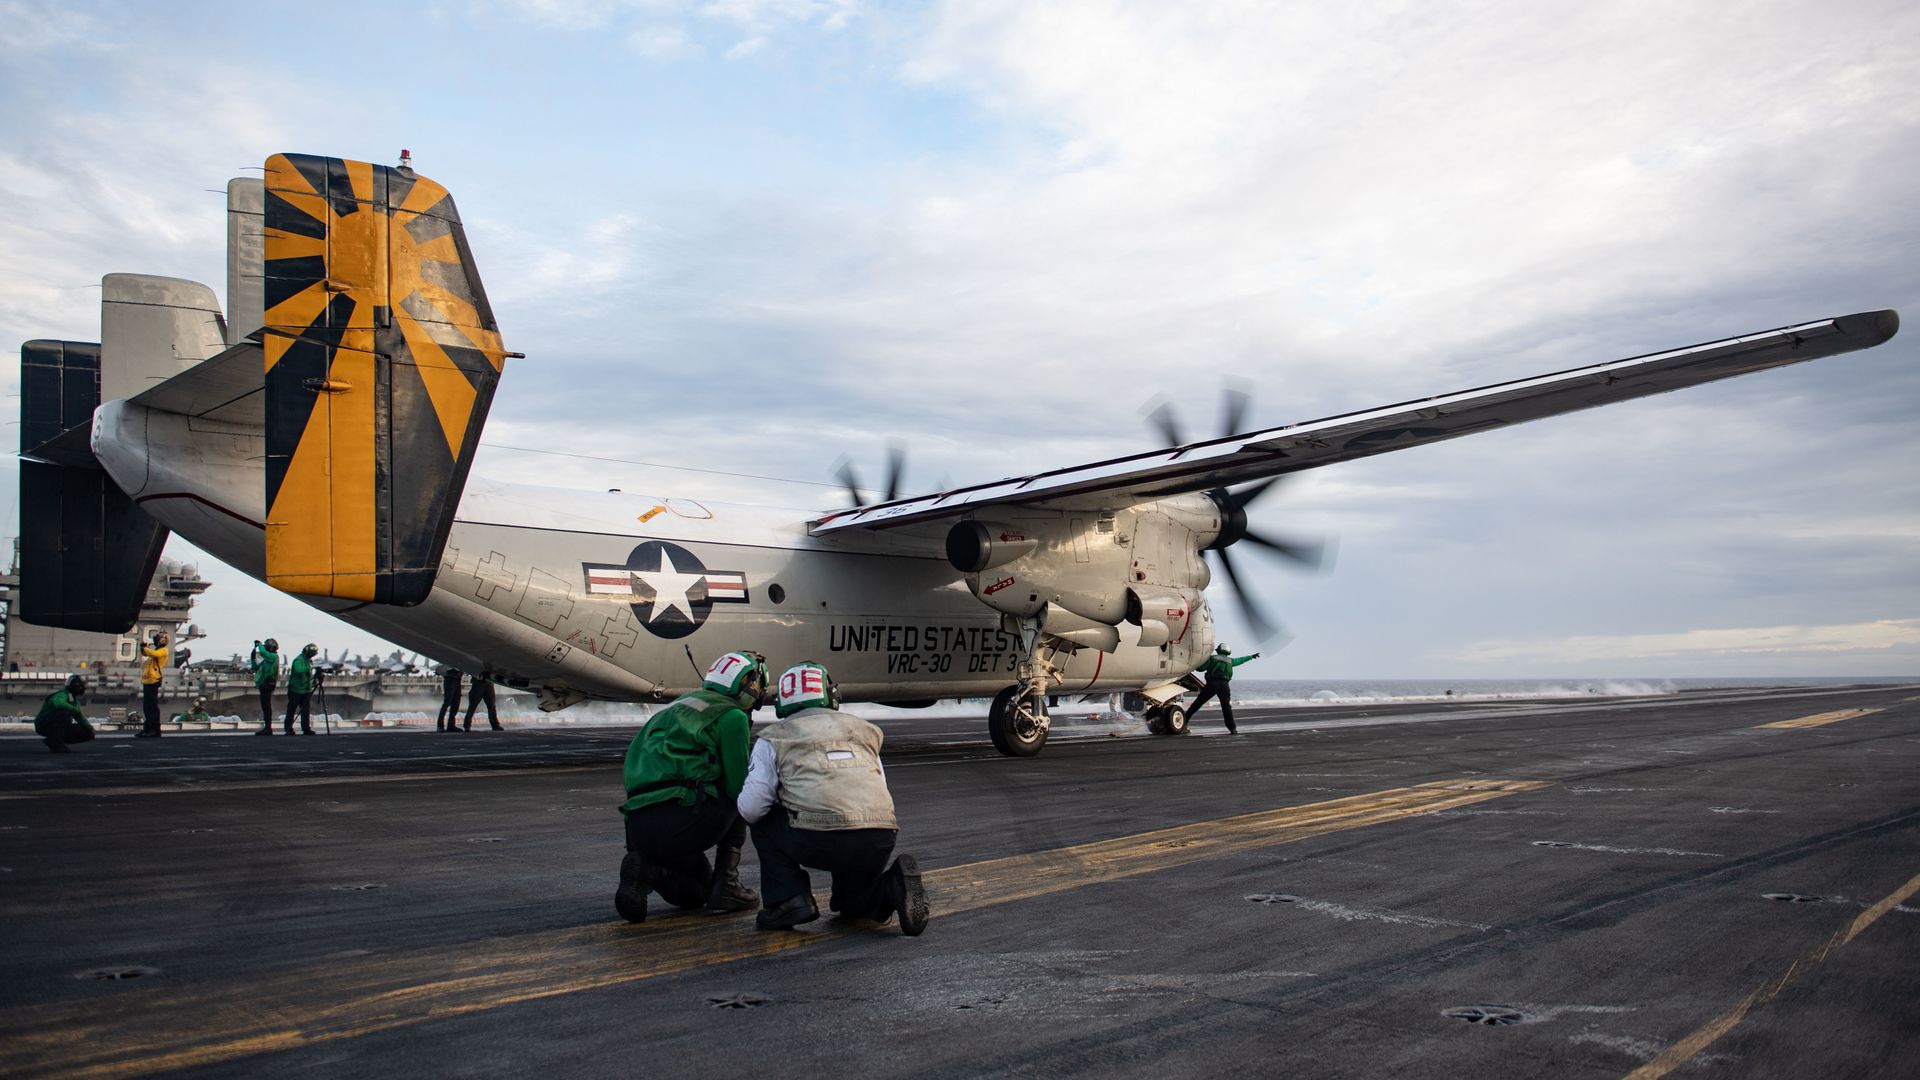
point(87, 552)
point(381, 358)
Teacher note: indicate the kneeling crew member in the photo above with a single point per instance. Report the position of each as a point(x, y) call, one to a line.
point(60, 720)
point(683, 773)
point(817, 796)
point(1219, 672)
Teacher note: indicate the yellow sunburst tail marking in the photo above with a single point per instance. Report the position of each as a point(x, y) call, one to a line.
point(381, 361)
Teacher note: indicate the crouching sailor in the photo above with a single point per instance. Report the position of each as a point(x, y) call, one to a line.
point(817, 796)
point(684, 770)
point(60, 721)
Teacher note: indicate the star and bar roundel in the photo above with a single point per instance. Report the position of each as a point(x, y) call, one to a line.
point(672, 592)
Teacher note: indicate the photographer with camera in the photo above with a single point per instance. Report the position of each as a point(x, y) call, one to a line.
point(152, 669)
point(300, 682)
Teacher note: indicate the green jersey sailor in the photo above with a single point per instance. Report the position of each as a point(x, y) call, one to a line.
point(683, 774)
point(1218, 671)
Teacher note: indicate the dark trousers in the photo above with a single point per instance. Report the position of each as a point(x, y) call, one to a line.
point(266, 705)
point(302, 704)
point(482, 691)
point(449, 710)
point(150, 704)
point(1224, 691)
point(62, 729)
point(857, 859)
point(675, 839)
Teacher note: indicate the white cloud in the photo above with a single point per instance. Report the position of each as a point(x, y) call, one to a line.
point(663, 43)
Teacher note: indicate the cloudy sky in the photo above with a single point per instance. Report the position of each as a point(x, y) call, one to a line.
point(752, 236)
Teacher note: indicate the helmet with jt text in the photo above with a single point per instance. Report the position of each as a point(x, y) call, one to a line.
point(741, 676)
point(805, 685)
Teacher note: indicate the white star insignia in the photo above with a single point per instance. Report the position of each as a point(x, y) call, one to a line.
point(669, 587)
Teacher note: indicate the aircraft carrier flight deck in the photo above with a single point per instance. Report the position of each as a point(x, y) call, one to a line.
point(1701, 885)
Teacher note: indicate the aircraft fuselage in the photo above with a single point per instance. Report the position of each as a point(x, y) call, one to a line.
point(603, 594)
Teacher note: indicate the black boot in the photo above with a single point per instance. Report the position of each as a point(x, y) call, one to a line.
point(789, 914)
point(902, 892)
point(636, 881)
point(724, 891)
point(265, 729)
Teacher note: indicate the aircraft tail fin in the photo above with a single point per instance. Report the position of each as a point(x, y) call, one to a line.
point(381, 358)
point(87, 552)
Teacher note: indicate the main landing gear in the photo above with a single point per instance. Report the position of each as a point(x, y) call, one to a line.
point(1017, 719)
point(1168, 719)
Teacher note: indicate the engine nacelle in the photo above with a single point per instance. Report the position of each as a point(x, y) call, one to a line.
point(976, 546)
point(1091, 562)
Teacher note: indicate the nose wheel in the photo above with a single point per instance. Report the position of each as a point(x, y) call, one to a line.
point(1018, 721)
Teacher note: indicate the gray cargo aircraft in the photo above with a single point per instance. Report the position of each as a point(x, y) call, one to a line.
point(319, 435)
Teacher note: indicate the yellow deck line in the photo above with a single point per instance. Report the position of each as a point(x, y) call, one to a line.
point(184, 1026)
point(1821, 719)
point(1683, 1051)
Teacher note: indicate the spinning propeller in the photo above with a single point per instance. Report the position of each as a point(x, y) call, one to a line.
point(896, 464)
point(1233, 512)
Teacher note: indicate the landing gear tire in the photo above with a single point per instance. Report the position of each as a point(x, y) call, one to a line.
point(1167, 720)
point(1018, 722)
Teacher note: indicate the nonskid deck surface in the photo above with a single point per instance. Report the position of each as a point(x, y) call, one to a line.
point(1705, 885)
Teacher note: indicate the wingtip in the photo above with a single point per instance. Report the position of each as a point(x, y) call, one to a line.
point(1872, 327)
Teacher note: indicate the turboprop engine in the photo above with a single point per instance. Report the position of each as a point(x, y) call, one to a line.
point(1085, 572)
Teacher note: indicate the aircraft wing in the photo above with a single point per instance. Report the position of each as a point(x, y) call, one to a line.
point(1238, 459)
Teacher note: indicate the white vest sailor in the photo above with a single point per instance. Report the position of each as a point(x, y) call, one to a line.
point(816, 796)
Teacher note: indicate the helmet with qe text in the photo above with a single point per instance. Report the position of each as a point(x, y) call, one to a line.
point(741, 676)
point(805, 685)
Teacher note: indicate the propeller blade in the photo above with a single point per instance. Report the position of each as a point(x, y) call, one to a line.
point(1236, 412)
point(847, 476)
point(1308, 553)
point(1162, 420)
point(1262, 626)
point(896, 465)
point(1240, 500)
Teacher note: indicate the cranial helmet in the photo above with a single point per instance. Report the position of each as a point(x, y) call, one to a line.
point(309, 649)
point(741, 676)
point(806, 685)
point(76, 684)
point(1224, 649)
point(272, 645)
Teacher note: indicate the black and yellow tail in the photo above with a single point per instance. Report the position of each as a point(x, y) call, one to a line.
point(381, 360)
